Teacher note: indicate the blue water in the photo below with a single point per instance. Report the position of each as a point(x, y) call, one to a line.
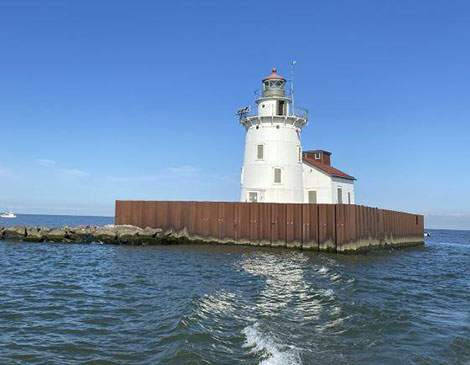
point(208, 304)
point(54, 221)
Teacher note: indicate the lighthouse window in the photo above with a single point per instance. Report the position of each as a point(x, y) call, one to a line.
point(276, 84)
point(280, 108)
point(340, 196)
point(277, 176)
point(260, 152)
point(312, 197)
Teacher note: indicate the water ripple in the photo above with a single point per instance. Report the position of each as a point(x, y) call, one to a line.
point(223, 305)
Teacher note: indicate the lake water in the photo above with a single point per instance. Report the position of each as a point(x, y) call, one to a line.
point(54, 221)
point(203, 304)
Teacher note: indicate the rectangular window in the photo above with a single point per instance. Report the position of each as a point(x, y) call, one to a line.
point(349, 198)
point(253, 197)
point(317, 156)
point(260, 152)
point(312, 197)
point(340, 196)
point(299, 151)
point(277, 176)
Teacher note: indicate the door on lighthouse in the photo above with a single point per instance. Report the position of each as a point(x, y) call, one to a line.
point(340, 196)
point(253, 197)
point(280, 107)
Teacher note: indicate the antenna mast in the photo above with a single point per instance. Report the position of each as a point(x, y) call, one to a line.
point(292, 64)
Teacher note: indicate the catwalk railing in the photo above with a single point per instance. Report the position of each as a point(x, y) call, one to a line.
point(324, 227)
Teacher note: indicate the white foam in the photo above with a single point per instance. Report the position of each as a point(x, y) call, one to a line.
point(335, 277)
point(271, 352)
point(327, 293)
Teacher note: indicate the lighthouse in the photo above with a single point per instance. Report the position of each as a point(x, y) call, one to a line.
point(272, 170)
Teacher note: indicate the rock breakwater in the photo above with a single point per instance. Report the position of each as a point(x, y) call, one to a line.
point(110, 234)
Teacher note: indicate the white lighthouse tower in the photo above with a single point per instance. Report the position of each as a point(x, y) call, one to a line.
point(272, 170)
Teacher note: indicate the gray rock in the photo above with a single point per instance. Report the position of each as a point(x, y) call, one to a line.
point(149, 236)
point(105, 234)
point(14, 233)
point(56, 235)
point(155, 231)
point(127, 235)
point(36, 234)
point(80, 234)
point(136, 236)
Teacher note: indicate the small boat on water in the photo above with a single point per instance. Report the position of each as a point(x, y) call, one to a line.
point(427, 234)
point(8, 215)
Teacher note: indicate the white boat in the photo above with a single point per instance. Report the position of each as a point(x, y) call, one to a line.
point(8, 215)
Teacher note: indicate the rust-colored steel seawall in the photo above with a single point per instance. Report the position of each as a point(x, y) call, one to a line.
point(321, 227)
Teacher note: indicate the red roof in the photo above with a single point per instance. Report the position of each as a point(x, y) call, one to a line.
point(330, 170)
point(274, 75)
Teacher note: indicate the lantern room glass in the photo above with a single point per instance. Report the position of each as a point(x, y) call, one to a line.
point(274, 84)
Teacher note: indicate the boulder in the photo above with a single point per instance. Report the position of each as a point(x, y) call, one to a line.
point(149, 236)
point(80, 234)
point(169, 238)
point(14, 233)
point(36, 234)
point(154, 231)
point(131, 235)
point(127, 234)
point(105, 234)
point(56, 235)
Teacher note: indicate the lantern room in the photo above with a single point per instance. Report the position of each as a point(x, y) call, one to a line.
point(274, 85)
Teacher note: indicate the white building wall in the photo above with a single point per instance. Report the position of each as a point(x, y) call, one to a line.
point(346, 186)
point(326, 186)
point(317, 180)
point(281, 150)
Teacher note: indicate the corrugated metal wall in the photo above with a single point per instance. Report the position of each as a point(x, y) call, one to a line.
point(326, 227)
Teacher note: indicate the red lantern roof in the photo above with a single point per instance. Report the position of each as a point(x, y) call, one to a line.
point(274, 75)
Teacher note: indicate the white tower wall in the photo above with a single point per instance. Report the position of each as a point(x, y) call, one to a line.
point(268, 107)
point(281, 149)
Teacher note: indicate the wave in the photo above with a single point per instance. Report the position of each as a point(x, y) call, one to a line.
point(266, 347)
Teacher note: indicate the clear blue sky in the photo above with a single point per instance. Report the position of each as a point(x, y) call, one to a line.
point(105, 100)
